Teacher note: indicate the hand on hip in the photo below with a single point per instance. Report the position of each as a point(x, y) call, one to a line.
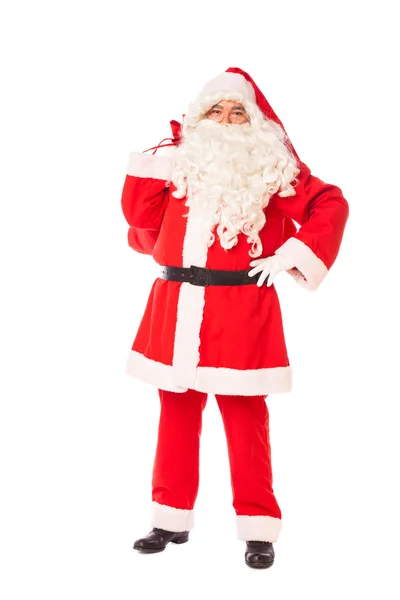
point(269, 267)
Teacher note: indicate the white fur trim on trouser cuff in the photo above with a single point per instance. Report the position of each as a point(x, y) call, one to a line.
point(150, 165)
point(171, 518)
point(260, 528)
point(309, 270)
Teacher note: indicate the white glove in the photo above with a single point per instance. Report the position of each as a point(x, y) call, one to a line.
point(270, 267)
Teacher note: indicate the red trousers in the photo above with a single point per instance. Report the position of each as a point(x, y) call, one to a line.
point(175, 478)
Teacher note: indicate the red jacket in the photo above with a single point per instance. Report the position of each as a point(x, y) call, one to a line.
point(222, 339)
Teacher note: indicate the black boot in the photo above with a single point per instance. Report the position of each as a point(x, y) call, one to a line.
point(157, 539)
point(259, 555)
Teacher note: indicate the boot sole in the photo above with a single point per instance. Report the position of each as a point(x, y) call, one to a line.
point(149, 550)
point(259, 565)
point(181, 539)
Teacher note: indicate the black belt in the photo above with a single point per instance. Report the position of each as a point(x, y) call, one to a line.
point(202, 276)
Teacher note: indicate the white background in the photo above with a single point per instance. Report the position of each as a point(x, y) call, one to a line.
point(83, 84)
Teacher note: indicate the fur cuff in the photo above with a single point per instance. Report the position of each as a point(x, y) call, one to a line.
point(171, 518)
point(260, 528)
point(150, 165)
point(309, 270)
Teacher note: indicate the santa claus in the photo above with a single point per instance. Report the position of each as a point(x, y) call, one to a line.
point(225, 198)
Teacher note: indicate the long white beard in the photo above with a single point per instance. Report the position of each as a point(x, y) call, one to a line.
point(228, 173)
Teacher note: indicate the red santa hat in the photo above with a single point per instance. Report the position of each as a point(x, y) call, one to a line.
point(236, 83)
point(232, 84)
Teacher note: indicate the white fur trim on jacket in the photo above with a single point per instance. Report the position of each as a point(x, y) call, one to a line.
point(171, 518)
point(190, 304)
point(150, 165)
point(259, 528)
point(212, 380)
point(309, 270)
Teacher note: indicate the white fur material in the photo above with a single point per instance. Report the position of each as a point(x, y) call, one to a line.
point(190, 304)
point(233, 170)
point(230, 81)
point(150, 165)
point(187, 334)
point(258, 528)
point(248, 382)
point(309, 270)
point(212, 380)
point(185, 373)
point(171, 518)
point(151, 371)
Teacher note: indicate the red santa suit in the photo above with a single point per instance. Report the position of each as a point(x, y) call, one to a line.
point(224, 340)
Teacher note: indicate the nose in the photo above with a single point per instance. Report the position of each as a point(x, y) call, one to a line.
point(225, 119)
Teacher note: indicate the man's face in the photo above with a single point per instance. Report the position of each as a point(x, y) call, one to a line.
point(228, 111)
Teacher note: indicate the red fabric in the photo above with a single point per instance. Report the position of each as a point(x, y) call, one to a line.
point(143, 201)
point(175, 479)
point(142, 240)
point(257, 341)
point(262, 102)
point(255, 311)
point(321, 211)
point(176, 128)
point(289, 228)
point(144, 215)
